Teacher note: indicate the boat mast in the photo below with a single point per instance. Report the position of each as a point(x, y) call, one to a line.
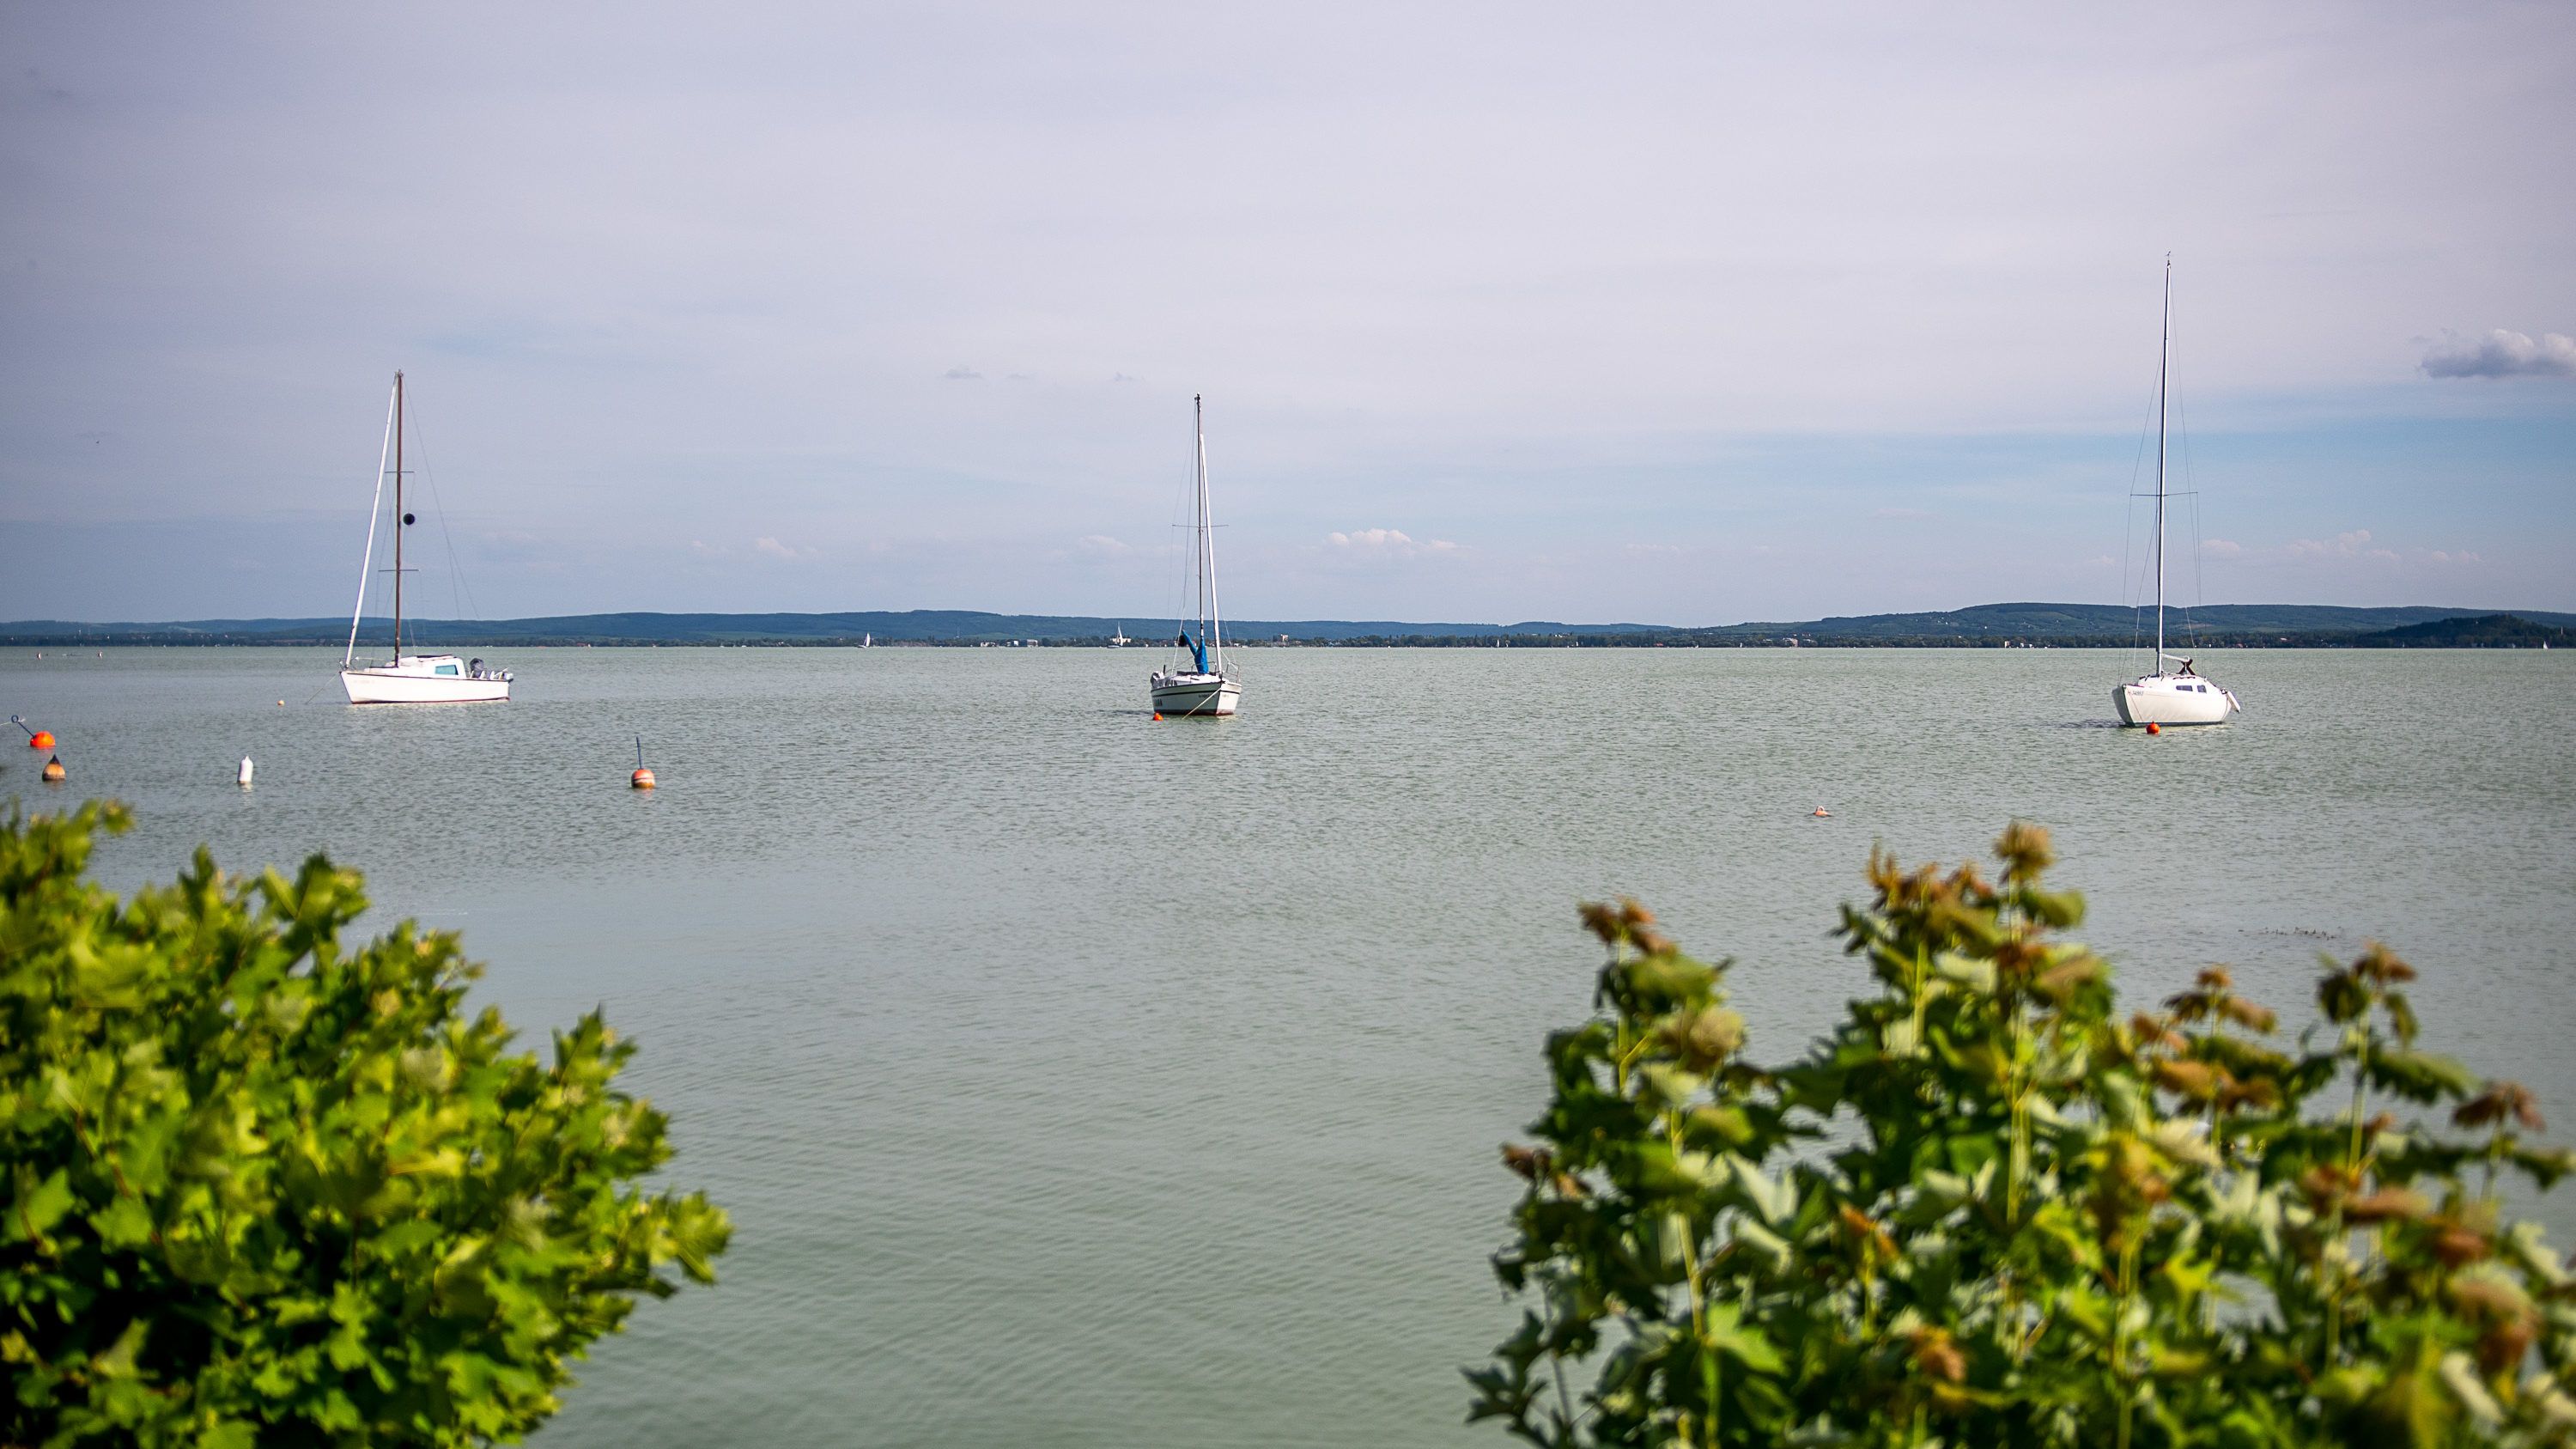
point(367, 560)
point(398, 521)
point(2164, 352)
point(1210, 628)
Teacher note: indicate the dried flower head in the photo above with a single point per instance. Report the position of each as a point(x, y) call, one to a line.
point(2500, 1100)
point(1604, 922)
point(2258, 1019)
point(2154, 1033)
point(2025, 852)
point(2194, 1081)
point(2381, 966)
point(1937, 1354)
point(2389, 1204)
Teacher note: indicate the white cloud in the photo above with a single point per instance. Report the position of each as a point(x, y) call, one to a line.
point(1101, 545)
point(777, 550)
point(962, 373)
point(1370, 538)
point(1388, 543)
point(2503, 354)
point(2358, 546)
point(2355, 544)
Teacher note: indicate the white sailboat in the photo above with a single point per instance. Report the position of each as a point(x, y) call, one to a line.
point(1206, 687)
point(2168, 696)
point(407, 678)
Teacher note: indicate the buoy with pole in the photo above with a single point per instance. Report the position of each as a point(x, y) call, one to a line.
point(642, 779)
point(36, 739)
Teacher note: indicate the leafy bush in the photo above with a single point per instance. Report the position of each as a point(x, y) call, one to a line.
point(263, 1189)
point(1988, 1209)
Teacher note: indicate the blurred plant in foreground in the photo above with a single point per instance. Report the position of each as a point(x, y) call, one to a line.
point(1991, 1209)
point(259, 1188)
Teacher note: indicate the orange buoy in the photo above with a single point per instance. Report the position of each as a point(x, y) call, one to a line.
point(41, 740)
point(2153, 728)
point(1158, 715)
point(1821, 813)
point(54, 770)
point(641, 780)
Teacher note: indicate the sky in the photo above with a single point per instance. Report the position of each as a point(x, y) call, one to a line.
point(1684, 314)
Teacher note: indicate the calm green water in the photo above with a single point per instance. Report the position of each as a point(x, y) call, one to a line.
point(1079, 1080)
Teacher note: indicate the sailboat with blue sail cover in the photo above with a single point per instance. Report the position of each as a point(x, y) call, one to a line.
point(1206, 687)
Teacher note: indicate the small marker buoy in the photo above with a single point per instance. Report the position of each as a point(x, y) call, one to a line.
point(1158, 716)
point(41, 740)
point(242, 778)
point(54, 770)
point(642, 779)
point(281, 704)
point(2153, 728)
point(1821, 813)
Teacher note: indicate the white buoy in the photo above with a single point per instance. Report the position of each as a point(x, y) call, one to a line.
point(243, 779)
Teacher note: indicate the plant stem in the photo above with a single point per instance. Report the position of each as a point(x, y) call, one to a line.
point(1698, 1299)
point(2120, 1338)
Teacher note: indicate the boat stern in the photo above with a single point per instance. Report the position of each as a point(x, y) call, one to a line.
point(1205, 696)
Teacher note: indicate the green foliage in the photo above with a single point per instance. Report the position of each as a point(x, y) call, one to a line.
point(1989, 1210)
point(261, 1188)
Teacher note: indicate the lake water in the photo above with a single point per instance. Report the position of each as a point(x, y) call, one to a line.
point(1075, 1079)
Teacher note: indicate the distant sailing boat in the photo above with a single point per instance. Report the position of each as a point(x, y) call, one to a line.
point(1206, 687)
point(407, 678)
point(2177, 697)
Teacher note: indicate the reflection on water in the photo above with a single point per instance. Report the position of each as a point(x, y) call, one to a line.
point(1077, 1079)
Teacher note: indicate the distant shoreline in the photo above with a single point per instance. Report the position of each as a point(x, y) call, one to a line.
point(1985, 626)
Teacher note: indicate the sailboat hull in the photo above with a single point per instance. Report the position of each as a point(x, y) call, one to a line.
point(393, 686)
point(2168, 700)
point(1207, 695)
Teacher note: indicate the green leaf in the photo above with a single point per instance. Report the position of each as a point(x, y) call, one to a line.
point(1728, 1334)
point(124, 1223)
point(37, 1204)
point(2421, 1076)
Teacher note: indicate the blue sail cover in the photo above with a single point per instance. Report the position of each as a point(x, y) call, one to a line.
point(1198, 650)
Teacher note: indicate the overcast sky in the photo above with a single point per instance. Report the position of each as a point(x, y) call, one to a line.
point(1683, 314)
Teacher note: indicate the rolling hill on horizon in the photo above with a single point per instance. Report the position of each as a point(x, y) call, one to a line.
point(1978, 624)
